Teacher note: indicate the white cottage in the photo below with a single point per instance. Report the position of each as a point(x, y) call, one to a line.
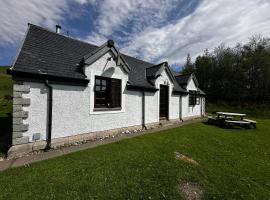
point(66, 90)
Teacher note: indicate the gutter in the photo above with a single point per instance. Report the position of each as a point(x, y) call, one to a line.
point(49, 115)
point(55, 78)
point(134, 87)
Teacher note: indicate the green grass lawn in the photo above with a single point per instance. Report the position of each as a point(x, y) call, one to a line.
point(233, 164)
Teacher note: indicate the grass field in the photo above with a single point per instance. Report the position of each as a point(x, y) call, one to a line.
point(233, 164)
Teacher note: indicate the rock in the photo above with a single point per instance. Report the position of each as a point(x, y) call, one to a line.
point(190, 190)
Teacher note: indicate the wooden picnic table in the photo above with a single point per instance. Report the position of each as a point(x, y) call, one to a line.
point(228, 119)
point(227, 114)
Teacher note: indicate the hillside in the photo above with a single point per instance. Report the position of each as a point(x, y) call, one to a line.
point(5, 110)
point(5, 89)
point(5, 82)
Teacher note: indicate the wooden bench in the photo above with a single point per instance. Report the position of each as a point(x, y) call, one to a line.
point(236, 122)
point(225, 117)
point(252, 122)
point(212, 117)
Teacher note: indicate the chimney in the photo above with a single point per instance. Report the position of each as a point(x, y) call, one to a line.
point(58, 29)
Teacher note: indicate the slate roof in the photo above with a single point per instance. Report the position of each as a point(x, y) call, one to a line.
point(182, 80)
point(45, 52)
point(152, 71)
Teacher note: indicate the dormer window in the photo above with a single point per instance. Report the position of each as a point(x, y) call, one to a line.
point(107, 92)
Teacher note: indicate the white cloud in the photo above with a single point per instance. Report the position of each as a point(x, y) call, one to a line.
point(153, 30)
point(212, 23)
point(16, 14)
point(116, 15)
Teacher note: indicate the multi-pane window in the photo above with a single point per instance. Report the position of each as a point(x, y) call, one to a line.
point(107, 92)
point(194, 98)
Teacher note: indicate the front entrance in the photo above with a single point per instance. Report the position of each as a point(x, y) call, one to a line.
point(163, 102)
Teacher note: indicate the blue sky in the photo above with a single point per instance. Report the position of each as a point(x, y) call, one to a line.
point(154, 30)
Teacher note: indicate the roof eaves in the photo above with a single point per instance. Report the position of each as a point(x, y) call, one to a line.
point(23, 74)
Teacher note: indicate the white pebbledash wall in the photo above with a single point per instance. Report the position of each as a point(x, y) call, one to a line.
point(73, 106)
point(191, 111)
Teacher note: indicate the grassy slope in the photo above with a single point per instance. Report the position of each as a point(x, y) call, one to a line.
point(5, 110)
point(5, 89)
point(233, 164)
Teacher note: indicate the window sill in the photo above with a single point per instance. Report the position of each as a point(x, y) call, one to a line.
point(107, 109)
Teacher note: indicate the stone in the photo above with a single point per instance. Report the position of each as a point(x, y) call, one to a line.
point(21, 88)
point(88, 136)
point(20, 127)
point(17, 94)
point(19, 150)
point(17, 120)
point(39, 145)
point(21, 101)
point(191, 190)
point(17, 134)
point(20, 114)
point(21, 140)
point(17, 108)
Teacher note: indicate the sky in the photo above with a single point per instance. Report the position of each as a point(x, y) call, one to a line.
point(153, 30)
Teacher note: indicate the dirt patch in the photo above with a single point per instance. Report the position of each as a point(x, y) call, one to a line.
point(184, 158)
point(190, 191)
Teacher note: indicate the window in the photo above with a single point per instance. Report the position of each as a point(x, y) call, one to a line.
point(107, 92)
point(194, 97)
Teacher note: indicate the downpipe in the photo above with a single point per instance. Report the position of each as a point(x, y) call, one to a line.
point(180, 109)
point(143, 111)
point(49, 115)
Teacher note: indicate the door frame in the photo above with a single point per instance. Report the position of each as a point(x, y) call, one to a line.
point(168, 102)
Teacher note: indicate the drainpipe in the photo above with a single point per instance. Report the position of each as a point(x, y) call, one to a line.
point(143, 110)
point(49, 115)
point(201, 105)
point(180, 108)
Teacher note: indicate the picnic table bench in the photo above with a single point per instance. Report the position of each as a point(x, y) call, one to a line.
point(228, 119)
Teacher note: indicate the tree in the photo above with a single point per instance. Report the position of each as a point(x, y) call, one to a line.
point(235, 75)
point(188, 68)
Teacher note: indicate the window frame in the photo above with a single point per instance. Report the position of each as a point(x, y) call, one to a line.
point(194, 94)
point(108, 90)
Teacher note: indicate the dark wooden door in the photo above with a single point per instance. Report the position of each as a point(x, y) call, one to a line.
point(163, 102)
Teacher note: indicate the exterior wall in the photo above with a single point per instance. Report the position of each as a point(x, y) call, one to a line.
point(151, 107)
point(37, 110)
point(173, 99)
point(190, 111)
point(73, 106)
point(20, 103)
point(174, 105)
